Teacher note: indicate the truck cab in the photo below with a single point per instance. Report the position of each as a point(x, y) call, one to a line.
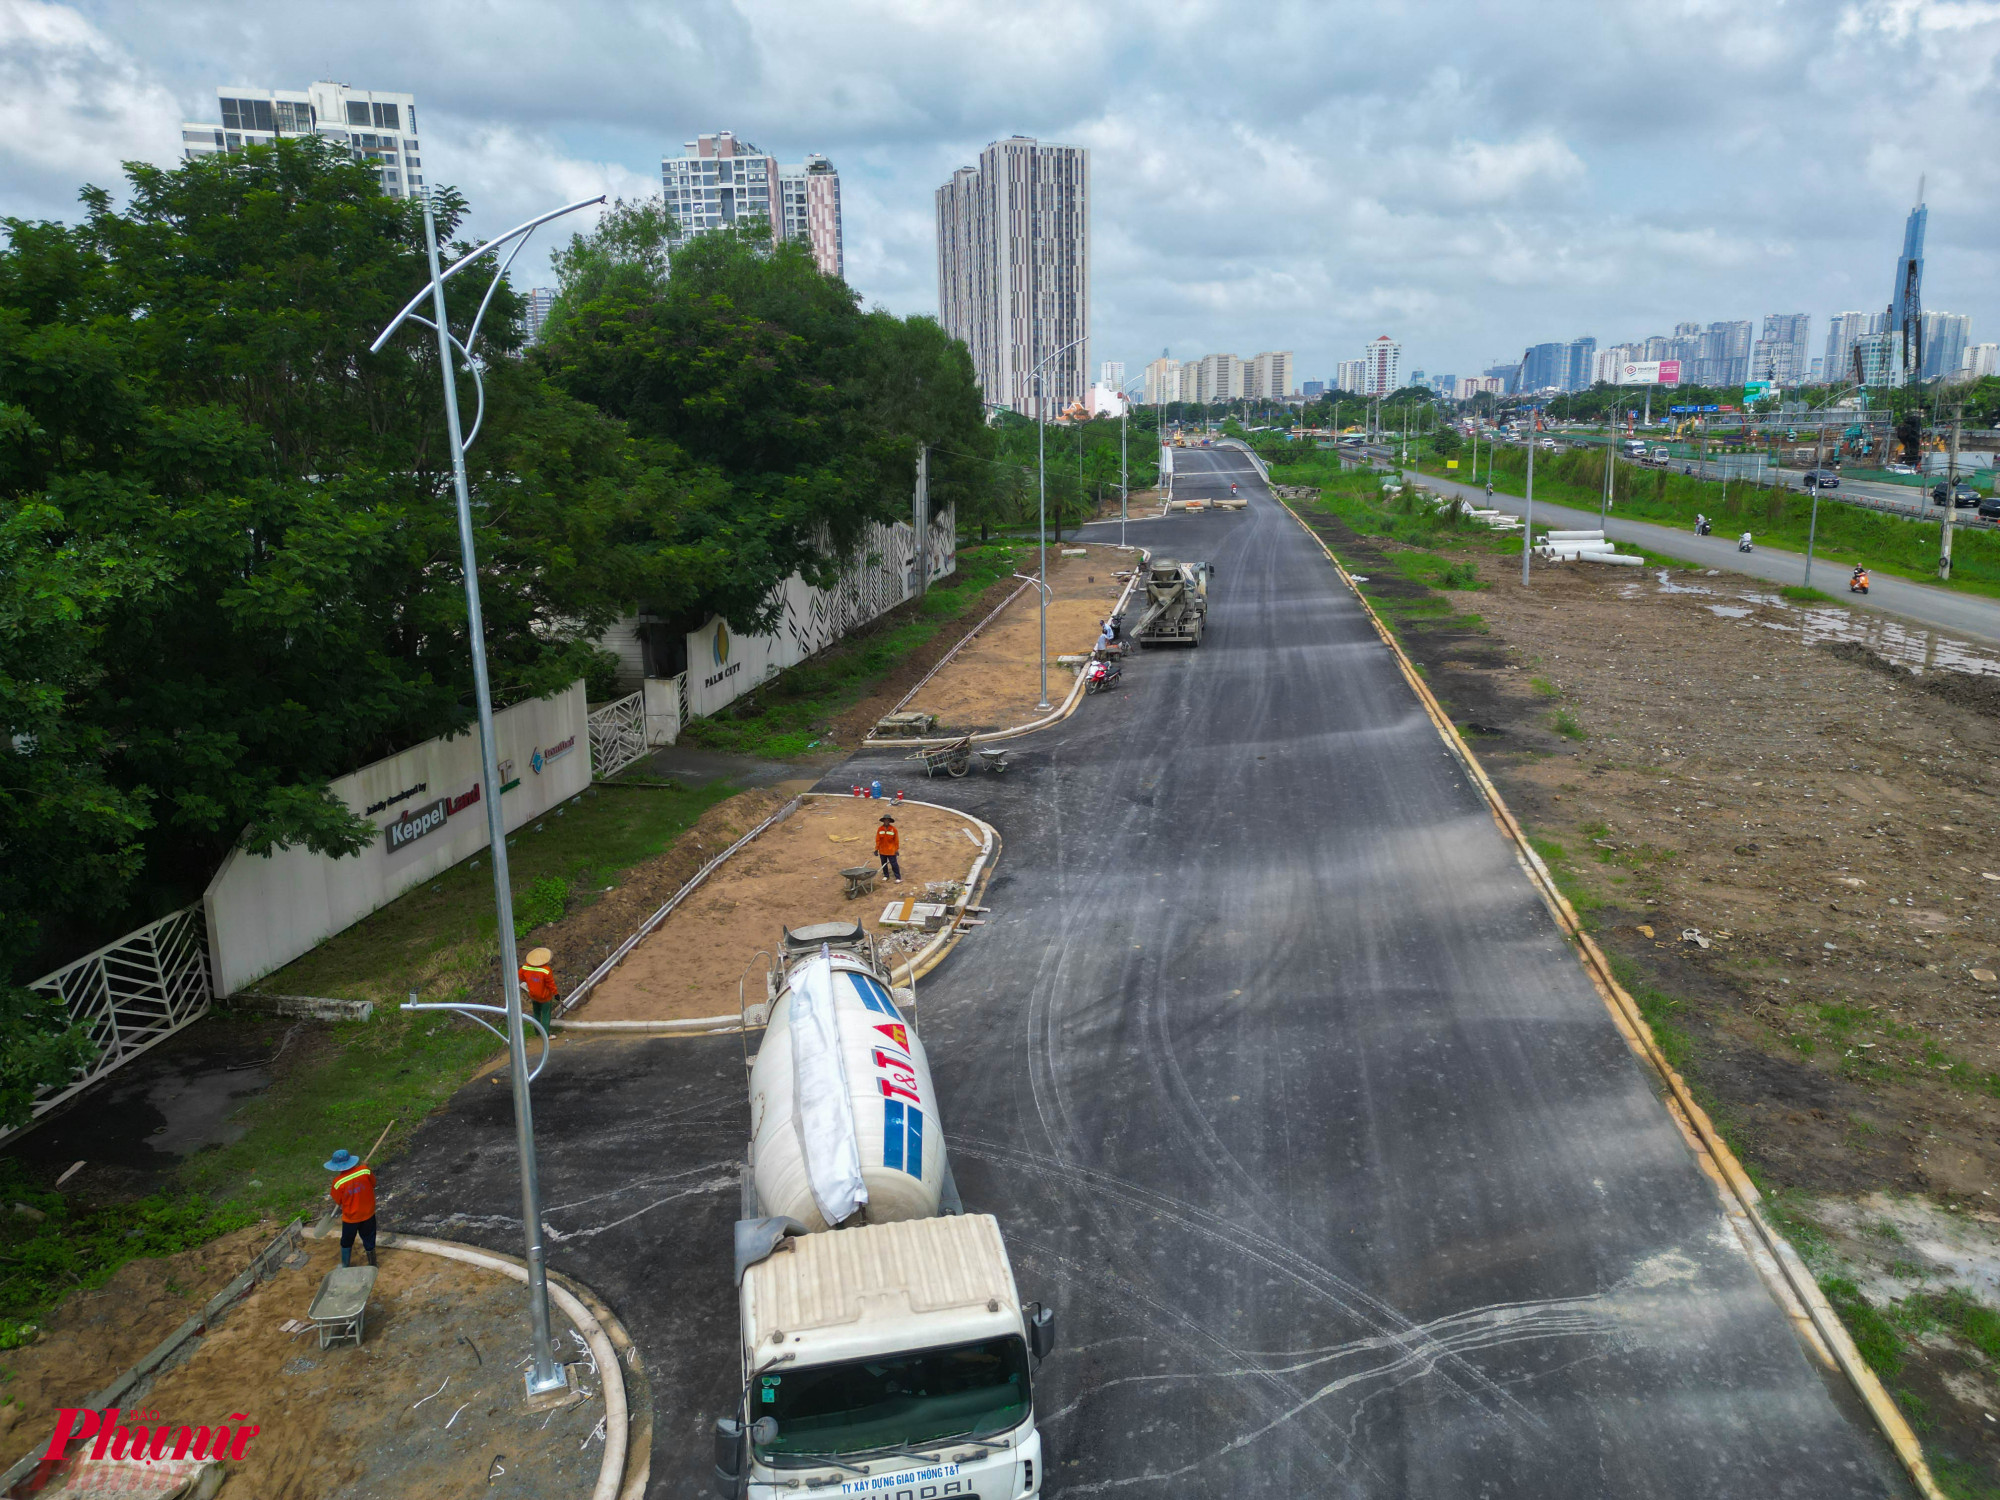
point(890, 1359)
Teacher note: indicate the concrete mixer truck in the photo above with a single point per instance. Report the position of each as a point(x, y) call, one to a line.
point(885, 1348)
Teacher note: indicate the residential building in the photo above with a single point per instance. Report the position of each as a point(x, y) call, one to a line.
point(1780, 355)
point(535, 305)
point(1380, 361)
point(1112, 373)
point(1444, 385)
point(721, 181)
point(1979, 361)
point(1314, 389)
point(1270, 376)
point(1509, 376)
point(1946, 336)
point(1559, 367)
point(1350, 375)
point(1842, 332)
point(1722, 354)
point(1577, 361)
point(1163, 381)
point(1014, 268)
point(379, 129)
point(1223, 378)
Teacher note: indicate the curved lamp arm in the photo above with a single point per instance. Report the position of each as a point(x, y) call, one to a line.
point(498, 1010)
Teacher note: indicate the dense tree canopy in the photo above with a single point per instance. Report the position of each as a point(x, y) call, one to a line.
point(229, 563)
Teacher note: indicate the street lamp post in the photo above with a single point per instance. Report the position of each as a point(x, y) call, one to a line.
point(1042, 505)
point(1528, 523)
point(545, 1372)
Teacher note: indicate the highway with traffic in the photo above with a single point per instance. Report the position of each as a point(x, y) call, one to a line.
point(1289, 1094)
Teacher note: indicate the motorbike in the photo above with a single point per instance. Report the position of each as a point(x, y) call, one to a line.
point(1232, 489)
point(1743, 542)
point(1858, 584)
point(1101, 676)
point(1701, 526)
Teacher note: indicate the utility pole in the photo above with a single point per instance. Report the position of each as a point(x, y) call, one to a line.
point(1950, 495)
point(1124, 489)
point(1604, 510)
point(1528, 524)
point(920, 519)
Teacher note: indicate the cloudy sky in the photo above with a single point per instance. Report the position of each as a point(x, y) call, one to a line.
point(1468, 177)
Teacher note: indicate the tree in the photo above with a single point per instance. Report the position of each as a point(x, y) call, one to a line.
point(248, 518)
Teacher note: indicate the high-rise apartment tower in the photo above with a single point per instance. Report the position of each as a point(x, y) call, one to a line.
point(379, 129)
point(721, 181)
point(1014, 270)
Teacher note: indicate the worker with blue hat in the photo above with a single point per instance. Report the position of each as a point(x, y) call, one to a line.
point(354, 1191)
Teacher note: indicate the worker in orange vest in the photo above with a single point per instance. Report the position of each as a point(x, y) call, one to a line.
point(539, 980)
point(354, 1191)
point(887, 844)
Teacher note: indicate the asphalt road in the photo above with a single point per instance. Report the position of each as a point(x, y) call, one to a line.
point(1289, 1096)
point(1969, 615)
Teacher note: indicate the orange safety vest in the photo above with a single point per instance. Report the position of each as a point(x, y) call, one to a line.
point(354, 1191)
point(887, 841)
point(539, 983)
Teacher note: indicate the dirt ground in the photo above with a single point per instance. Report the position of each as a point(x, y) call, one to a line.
point(789, 876)
point(995, 682)
point(1811, 791)
point(353, 1422)
point(1145, 505)
point(94, 1335)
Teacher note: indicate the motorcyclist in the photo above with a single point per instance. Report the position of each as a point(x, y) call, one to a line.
point(1701, 527)
point(1858, 584)
point(1232, 489)
point(1743, 542)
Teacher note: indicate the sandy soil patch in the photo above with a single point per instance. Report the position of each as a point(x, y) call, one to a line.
point(94, 1335)
point(789, 876)
point(345, 1421)
point(995, 681)
point(1146, 505)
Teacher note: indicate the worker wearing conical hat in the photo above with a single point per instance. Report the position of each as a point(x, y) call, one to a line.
point(539, 981)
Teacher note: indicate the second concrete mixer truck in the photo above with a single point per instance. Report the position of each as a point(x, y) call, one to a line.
point(886, 1349)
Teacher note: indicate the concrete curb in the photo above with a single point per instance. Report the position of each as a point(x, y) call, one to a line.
point(1820, 1322)
point(612, 1483)
point(1068, 704)
point(909, 972)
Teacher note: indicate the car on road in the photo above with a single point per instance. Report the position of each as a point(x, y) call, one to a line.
point(1900, 469)
point(1963, 496)
point(1821, 479)
point(1989, 508)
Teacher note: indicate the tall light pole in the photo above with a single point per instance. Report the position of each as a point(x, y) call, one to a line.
point(1528, 524)
point(545, 1372)
point(1042, 505)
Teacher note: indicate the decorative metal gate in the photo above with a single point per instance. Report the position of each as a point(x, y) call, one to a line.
point(133, 993)
point(617, 735)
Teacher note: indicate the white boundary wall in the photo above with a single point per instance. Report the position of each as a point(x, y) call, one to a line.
point(723, 666)
point(263, 912)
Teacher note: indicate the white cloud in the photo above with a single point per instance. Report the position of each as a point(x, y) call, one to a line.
point(1301, 176)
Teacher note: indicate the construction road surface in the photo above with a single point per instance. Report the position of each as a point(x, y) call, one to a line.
point(1288, 1094)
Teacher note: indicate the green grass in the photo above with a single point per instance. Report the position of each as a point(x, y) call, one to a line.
point(399, 1065)
point(1564, 723)
point(434, 938)
point(792, 714)
point(1875, 1336)
point(1544, 688)
point(1890, 543)
point(1799, 594)
point(1662, 1013)
point(73, 1248)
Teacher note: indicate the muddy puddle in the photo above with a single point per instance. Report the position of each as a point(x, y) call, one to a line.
point(1909, 646)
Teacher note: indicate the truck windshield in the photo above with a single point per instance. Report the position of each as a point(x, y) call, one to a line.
point(926, 1397)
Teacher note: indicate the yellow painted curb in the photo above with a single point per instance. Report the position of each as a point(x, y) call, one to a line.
point(1719, 1161)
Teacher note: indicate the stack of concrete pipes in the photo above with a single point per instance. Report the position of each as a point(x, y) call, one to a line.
point(1581, 546)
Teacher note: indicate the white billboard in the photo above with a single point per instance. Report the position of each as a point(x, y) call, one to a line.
point(1650, 372)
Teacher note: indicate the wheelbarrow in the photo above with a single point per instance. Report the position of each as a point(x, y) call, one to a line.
point(340, 1306)
point(954, 759)
point(994, 760)
point(860, 879)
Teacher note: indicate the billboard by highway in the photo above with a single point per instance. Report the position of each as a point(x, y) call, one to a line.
point(1650, 372)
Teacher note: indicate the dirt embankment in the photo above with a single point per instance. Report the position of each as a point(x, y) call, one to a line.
point(691, 965)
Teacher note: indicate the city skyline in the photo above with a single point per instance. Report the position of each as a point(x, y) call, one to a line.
point(1489, 214)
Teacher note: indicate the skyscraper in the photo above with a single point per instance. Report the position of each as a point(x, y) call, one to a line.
point(1223, 378)
point(1163, 381)
point(1111, 374)
point(1906, 295)
point(535, 305)
point(1780, 355)
point(1380, 361)
point(1945, 337)
point(380, 130)
point(1842, 331)
point(1014, 269)
point(1350, 375)
point(1269, 376)
point(720, 181)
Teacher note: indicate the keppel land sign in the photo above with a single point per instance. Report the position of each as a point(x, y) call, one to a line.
point(1650, 372)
